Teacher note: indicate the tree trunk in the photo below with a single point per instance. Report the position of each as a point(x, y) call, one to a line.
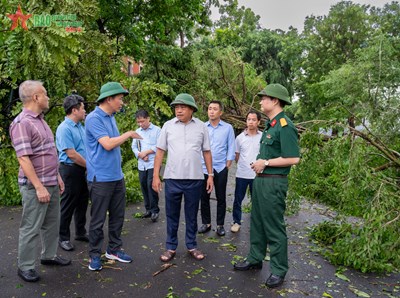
point(182, 37)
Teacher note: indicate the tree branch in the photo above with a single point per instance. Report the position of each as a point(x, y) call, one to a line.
point(378, 145)
point(384, 167)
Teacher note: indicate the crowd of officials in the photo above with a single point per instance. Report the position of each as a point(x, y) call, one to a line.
point(57, 178)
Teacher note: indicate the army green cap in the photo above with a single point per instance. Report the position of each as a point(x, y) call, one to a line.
point(184, 99)
point(111, 89)
point(276, 91)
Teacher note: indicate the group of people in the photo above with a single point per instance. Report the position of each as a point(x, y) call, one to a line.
point(88, 165)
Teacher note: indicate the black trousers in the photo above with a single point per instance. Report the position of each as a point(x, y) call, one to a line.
point(220, 181)
point(74, 200)
point(149, 195)
point(106, 196)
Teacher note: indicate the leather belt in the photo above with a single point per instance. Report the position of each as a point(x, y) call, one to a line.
point(271, 175)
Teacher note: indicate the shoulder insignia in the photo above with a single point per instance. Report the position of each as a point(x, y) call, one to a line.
point(283, 122)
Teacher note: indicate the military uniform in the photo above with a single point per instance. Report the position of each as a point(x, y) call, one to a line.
point(279, 139)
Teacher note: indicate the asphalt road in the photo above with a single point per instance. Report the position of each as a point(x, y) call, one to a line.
point(309, 275)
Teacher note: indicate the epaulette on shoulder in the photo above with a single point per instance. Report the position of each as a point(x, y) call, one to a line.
point(283, 122)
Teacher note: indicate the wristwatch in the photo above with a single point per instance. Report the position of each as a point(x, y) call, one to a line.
point(266, 163)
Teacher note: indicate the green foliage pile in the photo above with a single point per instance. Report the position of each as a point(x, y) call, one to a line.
point(340, 173)
point(367, 247)
point(9, 191)
point(335, 173)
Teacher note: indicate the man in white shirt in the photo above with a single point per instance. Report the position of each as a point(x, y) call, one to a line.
point(247, 147)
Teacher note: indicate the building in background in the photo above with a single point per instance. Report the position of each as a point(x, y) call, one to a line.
point(131, 67)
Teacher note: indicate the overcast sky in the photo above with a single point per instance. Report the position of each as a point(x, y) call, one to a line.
point(281, 14)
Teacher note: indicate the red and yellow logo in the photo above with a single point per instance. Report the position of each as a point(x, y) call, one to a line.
point(18, 17)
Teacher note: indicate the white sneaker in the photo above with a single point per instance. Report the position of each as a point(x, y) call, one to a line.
point(235, 228)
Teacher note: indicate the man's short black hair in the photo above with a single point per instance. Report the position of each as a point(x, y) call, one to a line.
point(72, 101)
point(254, 112)
point(221, 107)
point(142, 114)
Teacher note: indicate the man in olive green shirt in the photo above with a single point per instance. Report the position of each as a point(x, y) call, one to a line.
point(279, 150)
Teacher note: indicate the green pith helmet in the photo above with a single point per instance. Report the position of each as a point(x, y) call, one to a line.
point(184, 99)
point(276, 91)
point(111, 89)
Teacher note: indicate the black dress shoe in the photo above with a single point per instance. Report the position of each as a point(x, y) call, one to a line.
point(154, 217)
point(56, 261)
point(29, 275)
point(220, 231)
point(66, 245)
point(204, 228)
point(274, 281)
point(83, 238)
point(147, 214)
point(244, 266)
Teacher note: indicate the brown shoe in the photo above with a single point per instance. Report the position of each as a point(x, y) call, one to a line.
point(196, 254)
point(167, 255)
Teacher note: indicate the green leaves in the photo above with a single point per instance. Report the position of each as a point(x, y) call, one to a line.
point(358, 292)
point(228, 247)
point(197, 289)
point(340, 173)
point(9, 191)
point(342, 276)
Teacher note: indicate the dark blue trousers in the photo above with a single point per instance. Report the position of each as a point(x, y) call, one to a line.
point(174, 191)
point(240, 192)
